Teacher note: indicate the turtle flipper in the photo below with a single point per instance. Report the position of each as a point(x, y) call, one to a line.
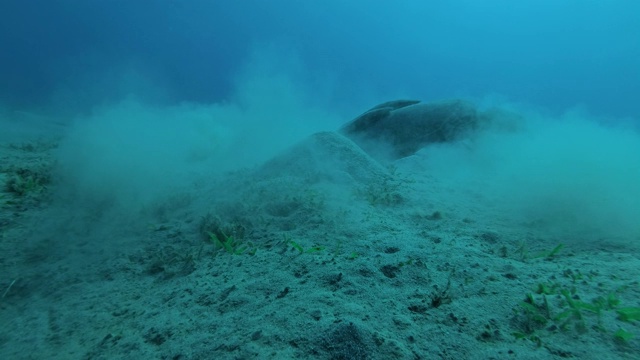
point(394, 104)
point(372, 116)
point(366, 120)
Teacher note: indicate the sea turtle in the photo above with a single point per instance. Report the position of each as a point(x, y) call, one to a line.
point(405, 126)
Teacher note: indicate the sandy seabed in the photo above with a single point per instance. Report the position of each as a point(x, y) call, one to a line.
point(299, 260)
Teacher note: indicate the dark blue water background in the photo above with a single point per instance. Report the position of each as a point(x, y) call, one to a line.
point(554, 54)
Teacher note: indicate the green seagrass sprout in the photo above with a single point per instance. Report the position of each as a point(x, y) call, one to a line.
point(229, 244)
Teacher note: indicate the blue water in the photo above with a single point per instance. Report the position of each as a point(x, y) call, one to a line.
point(70, 55)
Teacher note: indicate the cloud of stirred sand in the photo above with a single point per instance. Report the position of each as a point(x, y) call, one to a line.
point(131, 153)
point(571, 173)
